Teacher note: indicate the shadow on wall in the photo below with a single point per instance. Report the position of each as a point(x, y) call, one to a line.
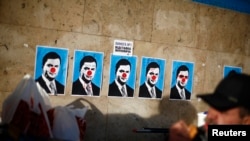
point(119, 127)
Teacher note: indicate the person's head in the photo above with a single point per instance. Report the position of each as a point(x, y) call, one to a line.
point(152, 73)
point(122, 70)
point(182, 75)
point(51, 65)
point(230, 102)
point(88, 66)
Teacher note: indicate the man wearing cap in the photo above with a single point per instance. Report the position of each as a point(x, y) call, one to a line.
point(229, 105)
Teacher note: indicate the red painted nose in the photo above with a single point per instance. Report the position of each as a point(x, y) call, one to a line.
point(53, 70)
point(183, 80)
point(124, 75)
point(89, 73)
point(153, 77)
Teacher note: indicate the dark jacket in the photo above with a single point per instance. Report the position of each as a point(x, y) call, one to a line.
point(59, 86)
point(143, 92)
point(174, 94)
point(114, 90)
point(77, 88)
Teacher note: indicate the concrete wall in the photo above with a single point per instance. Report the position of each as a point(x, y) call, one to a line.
point(171, 29)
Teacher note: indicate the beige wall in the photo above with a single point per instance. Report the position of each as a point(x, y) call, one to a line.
point(170, 29)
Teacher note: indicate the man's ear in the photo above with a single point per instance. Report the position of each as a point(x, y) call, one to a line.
point(246, 120)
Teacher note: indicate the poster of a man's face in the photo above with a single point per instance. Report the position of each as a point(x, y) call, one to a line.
point(88, 70)
point(122, 76)
point(51, 65)
point(123, 72)
point(152, 77)
point(50, 69)
point(87, 75)
point(181, 85)
point(182, 77)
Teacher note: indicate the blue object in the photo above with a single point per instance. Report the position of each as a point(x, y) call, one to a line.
point(236, 5)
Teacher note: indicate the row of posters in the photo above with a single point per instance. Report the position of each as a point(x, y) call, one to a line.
point(51, 67)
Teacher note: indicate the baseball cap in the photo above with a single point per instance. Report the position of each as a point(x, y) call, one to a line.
point(232, 91)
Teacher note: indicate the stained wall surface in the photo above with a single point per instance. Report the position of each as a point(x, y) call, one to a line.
point(173, 30)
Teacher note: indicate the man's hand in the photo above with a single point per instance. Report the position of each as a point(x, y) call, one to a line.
point(180, 131)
